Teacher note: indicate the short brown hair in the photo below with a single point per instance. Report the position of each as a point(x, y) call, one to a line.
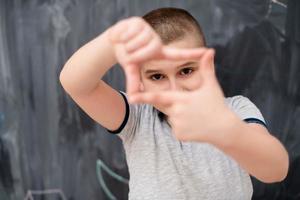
point(172, 24)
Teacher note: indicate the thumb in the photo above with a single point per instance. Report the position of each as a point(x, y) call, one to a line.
point(133, 80)
point(207, 66)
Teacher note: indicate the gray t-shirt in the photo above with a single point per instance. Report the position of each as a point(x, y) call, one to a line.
point(164, 168)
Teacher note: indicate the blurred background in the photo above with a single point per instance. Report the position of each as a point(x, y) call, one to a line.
point(49, 147)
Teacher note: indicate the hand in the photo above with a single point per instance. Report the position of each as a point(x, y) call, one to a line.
point(199, 115)
point(135, 42)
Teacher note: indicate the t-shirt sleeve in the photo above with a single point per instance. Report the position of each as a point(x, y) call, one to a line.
point(246, 110)
point(131, 120)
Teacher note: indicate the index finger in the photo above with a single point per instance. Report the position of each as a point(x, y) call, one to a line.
point(182, 54)
point(162, 98)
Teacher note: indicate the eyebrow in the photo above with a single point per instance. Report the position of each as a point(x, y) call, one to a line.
point(150, 71)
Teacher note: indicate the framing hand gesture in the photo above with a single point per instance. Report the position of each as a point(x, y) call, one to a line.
point(135, 42)
point(198, 115)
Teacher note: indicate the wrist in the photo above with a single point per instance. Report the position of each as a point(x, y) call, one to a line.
point(109, 43)
point(229, 126)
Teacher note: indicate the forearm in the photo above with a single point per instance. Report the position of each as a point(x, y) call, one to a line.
point(258, 152)
point(83, 71)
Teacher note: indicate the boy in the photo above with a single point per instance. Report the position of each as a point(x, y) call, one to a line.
point(187, 141)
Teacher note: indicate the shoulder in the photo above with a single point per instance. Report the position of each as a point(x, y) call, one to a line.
point(245, 109)
point(238, 101)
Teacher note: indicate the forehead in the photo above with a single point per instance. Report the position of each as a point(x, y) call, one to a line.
point(187, 42)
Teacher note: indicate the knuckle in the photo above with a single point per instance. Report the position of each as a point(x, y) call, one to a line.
point(147, 33)
point(138, 21)
point(129, 46)
point(154, 46)
point(120, 23)
point(157, 38)
point(158, 45)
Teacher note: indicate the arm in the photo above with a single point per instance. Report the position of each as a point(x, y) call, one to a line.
point(202, 116)
point(257, 151)
point(81, 78)
point(130, 42)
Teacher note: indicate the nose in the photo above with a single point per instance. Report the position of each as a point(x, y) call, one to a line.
point(174, 85)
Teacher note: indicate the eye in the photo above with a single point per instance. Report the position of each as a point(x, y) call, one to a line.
point(156, 77)
point(186, 71)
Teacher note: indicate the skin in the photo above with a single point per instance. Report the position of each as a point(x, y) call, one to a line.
point(135, 43)
point(193, 102)
point(82, 73)
point(168, 75)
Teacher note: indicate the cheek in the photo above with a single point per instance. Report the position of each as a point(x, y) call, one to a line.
point(194, 82)
point(150, 86)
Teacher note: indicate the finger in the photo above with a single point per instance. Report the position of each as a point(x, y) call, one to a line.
point(153, 98)
point(139, 41)
point(132, 73)
point(150, 51)
point(117, 30)
point(182, 54)
point(136, 27)
point(207, 65)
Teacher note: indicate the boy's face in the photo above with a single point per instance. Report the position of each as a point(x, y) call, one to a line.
point(163, 75)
